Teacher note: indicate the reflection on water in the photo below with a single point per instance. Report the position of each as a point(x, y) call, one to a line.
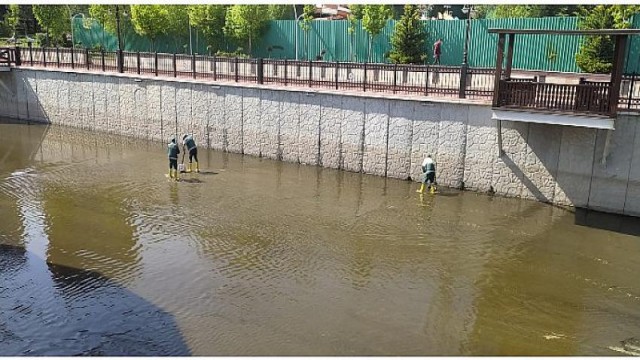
point(257, 257)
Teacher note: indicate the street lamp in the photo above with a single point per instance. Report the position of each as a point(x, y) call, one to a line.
point(73, 41)
point(296, 34)
point(120, 57)
point(467, 10)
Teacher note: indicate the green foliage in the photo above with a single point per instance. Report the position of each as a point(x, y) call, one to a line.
point(238, 53)
point(105, 14)
point(245, 23)
point(527, 11)
point(177, 26)
point(149, 20)
point(281, 12)
point(408, 41)
point(210, 20)
point(356, 14)
point(55, 19)
point(307, 16)
point(374, 18)
point(12, 18)
point(596, 53)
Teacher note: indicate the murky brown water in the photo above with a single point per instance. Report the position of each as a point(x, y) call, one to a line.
point(100, 254)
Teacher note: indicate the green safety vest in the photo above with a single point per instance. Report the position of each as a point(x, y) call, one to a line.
point(189, 143)
point(173, 151)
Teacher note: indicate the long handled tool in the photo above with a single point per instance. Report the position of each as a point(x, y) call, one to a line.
point(181, 165)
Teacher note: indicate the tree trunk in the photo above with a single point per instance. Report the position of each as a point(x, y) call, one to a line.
point(369, 51)
point(249, 46)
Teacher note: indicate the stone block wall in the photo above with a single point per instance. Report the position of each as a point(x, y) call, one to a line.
point(374, 135)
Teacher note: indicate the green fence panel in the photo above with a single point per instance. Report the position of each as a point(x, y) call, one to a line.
point(531, 52)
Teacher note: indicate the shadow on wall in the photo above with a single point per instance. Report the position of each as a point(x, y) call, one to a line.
point(19, 98)
point(65, 311)
point(564, 165)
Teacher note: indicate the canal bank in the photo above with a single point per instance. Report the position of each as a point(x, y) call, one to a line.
point(373, 134)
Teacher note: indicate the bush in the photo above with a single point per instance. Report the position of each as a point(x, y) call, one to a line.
point(238, 53)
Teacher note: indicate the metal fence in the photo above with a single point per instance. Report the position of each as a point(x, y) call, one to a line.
point(422, 80)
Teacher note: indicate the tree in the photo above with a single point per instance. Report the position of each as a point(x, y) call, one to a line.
point(149, 20)
point(12, 18)
point(308, 13)
point(526, 11)
point(244, 23)
point(210, 20)
point(281, 12)
point(374, 19)
point(177, 23)
point(54, 18)
point(596, 52)
point(354, 19)
point(408, 41)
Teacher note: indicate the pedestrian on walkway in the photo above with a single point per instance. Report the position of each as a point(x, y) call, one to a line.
point(437, 51)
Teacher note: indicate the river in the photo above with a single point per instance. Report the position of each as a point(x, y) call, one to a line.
point(101, 255)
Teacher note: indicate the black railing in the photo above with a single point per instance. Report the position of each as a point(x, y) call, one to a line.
point(580, 98)
point(423, 80)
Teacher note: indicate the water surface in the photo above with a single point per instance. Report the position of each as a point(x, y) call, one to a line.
point(101, 255)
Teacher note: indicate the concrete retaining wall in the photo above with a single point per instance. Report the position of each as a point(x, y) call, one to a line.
point(381, 136)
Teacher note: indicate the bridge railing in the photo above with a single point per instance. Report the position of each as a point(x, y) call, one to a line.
point(422, 80)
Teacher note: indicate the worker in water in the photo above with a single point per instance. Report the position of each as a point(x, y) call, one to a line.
point(428, 175)
point(190, 144)
point(173, 151)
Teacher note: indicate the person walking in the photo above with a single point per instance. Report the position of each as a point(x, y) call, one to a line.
point(190, 144)
point(428, 175)
point(437, 51)
point(172, 151)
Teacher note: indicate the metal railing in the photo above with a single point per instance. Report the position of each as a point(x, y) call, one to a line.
point(422, 80)
point(580, 98)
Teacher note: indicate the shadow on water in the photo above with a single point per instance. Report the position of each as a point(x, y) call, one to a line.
point(62, 311)
point(623, 224)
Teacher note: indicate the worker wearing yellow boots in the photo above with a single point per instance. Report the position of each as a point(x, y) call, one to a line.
point(172, 151)
point(190, 144)
point(428, 175)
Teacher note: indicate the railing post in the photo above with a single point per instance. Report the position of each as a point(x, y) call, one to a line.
point(236, 68)
point(58, 56)
point(31, 54)
point(286, 70)
point(138, 61)
point(44, 56)
point(86, 57)
point(18, 56)
point(633, 77)
point(364, 78)
point(310, 73)
point(215, 68)
point(463, 81)
point(155, 63)
point(73, 61)
point(426, 80)
point(102, 62)
point(395, 77)
point(193, 65)
point(175, 69)
point(337, 68)
point(260, 75)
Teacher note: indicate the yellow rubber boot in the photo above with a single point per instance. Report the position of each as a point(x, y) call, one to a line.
point(432, 189)
point(421, 190)
point(177, 174)
point(197, 167)
point(170, 175)
point(188, 168)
